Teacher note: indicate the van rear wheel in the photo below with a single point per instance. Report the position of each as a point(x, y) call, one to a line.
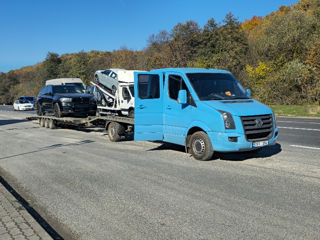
point(200, 146)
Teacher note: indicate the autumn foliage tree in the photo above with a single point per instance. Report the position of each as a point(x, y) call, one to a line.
point(277, 56)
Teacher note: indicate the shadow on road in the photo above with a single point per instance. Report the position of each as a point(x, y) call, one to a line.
point(168, 146)
point(237, 156)
point(11, 121)
point(54, 146)
point(259, 153)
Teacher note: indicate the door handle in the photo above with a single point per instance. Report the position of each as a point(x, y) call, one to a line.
point(141, 106)
point(169, 107)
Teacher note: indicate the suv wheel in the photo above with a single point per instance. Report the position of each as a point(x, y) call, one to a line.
point(57, 111)
point(39, 110)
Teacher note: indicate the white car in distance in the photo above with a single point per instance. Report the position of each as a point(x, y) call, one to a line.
point(22, 105)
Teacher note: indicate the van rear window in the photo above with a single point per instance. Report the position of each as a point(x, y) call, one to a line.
point(148, 86)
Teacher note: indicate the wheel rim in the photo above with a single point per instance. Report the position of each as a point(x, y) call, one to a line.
point(112, 132)
point(198, 146)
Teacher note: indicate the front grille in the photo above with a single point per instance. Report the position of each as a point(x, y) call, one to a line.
point(257, 127)
point(81, 107)
point(80, 100)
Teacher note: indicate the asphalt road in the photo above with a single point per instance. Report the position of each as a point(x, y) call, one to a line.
point(90, 188)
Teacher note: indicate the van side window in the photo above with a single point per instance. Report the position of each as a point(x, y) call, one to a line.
point(176, 83)
point(148, 86)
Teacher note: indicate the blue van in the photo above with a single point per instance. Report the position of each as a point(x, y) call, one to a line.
point(205, 110)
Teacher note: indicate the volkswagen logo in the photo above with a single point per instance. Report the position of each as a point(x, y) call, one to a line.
point(259, 122)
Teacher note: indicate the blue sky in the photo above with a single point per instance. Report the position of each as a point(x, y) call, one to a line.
point(29, 29)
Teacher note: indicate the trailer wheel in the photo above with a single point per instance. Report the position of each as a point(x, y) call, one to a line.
point(115, 130)
point(52, 124)
point(200, 146)
point(46, 123)
point(41, 122)
point(57, 111)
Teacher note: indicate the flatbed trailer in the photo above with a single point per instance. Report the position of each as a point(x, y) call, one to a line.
point(116, 126)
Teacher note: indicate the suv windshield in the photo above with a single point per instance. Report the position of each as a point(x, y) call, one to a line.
point(216, 86)
point(67, 89)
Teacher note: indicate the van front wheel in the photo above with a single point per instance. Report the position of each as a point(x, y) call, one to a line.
point(200, 146)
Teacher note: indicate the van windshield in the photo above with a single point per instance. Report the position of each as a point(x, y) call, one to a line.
point(131, 90)
point(216, 86)
point(66, 89)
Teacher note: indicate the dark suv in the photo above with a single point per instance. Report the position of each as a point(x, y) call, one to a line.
point(65, 100)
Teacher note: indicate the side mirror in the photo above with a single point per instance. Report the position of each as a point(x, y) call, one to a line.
point(182, 96)
point(248, 92)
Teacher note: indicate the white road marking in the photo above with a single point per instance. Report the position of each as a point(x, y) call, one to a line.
point(307, 129)
point(280, 121)
point(300, 146)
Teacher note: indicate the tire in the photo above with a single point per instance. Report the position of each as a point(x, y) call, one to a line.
point(200, 146)
point(46, 123)
point(131, 113)
point(39, 110)
point(57, 111)
point(41, 122)
point(115, 131)
point(52, 124)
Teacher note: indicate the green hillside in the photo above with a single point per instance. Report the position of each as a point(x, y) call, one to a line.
point(277, 56)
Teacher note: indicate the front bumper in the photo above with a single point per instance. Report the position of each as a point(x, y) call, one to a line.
point(72, 109)
point(221, 143)
point(26, 108)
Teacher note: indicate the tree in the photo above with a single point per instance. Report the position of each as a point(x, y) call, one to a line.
point(223, 47)
point(51, 65)
point(185, 43)
point(78, 68)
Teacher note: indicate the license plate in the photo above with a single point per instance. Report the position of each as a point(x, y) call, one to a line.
point(260, 144)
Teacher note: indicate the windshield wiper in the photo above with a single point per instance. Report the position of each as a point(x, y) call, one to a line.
point(239, 98)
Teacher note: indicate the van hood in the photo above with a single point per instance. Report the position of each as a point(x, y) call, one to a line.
point(247, 107)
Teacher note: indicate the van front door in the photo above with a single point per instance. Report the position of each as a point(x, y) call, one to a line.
point(177, 116)
point(148, 116)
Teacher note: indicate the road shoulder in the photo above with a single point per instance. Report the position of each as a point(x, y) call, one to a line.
point(15, 221)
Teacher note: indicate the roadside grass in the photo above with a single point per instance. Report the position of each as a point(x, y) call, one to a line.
point(296, 110)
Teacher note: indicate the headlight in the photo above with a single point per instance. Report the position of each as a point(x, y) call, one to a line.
point(66, 99)
point(228, 120)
